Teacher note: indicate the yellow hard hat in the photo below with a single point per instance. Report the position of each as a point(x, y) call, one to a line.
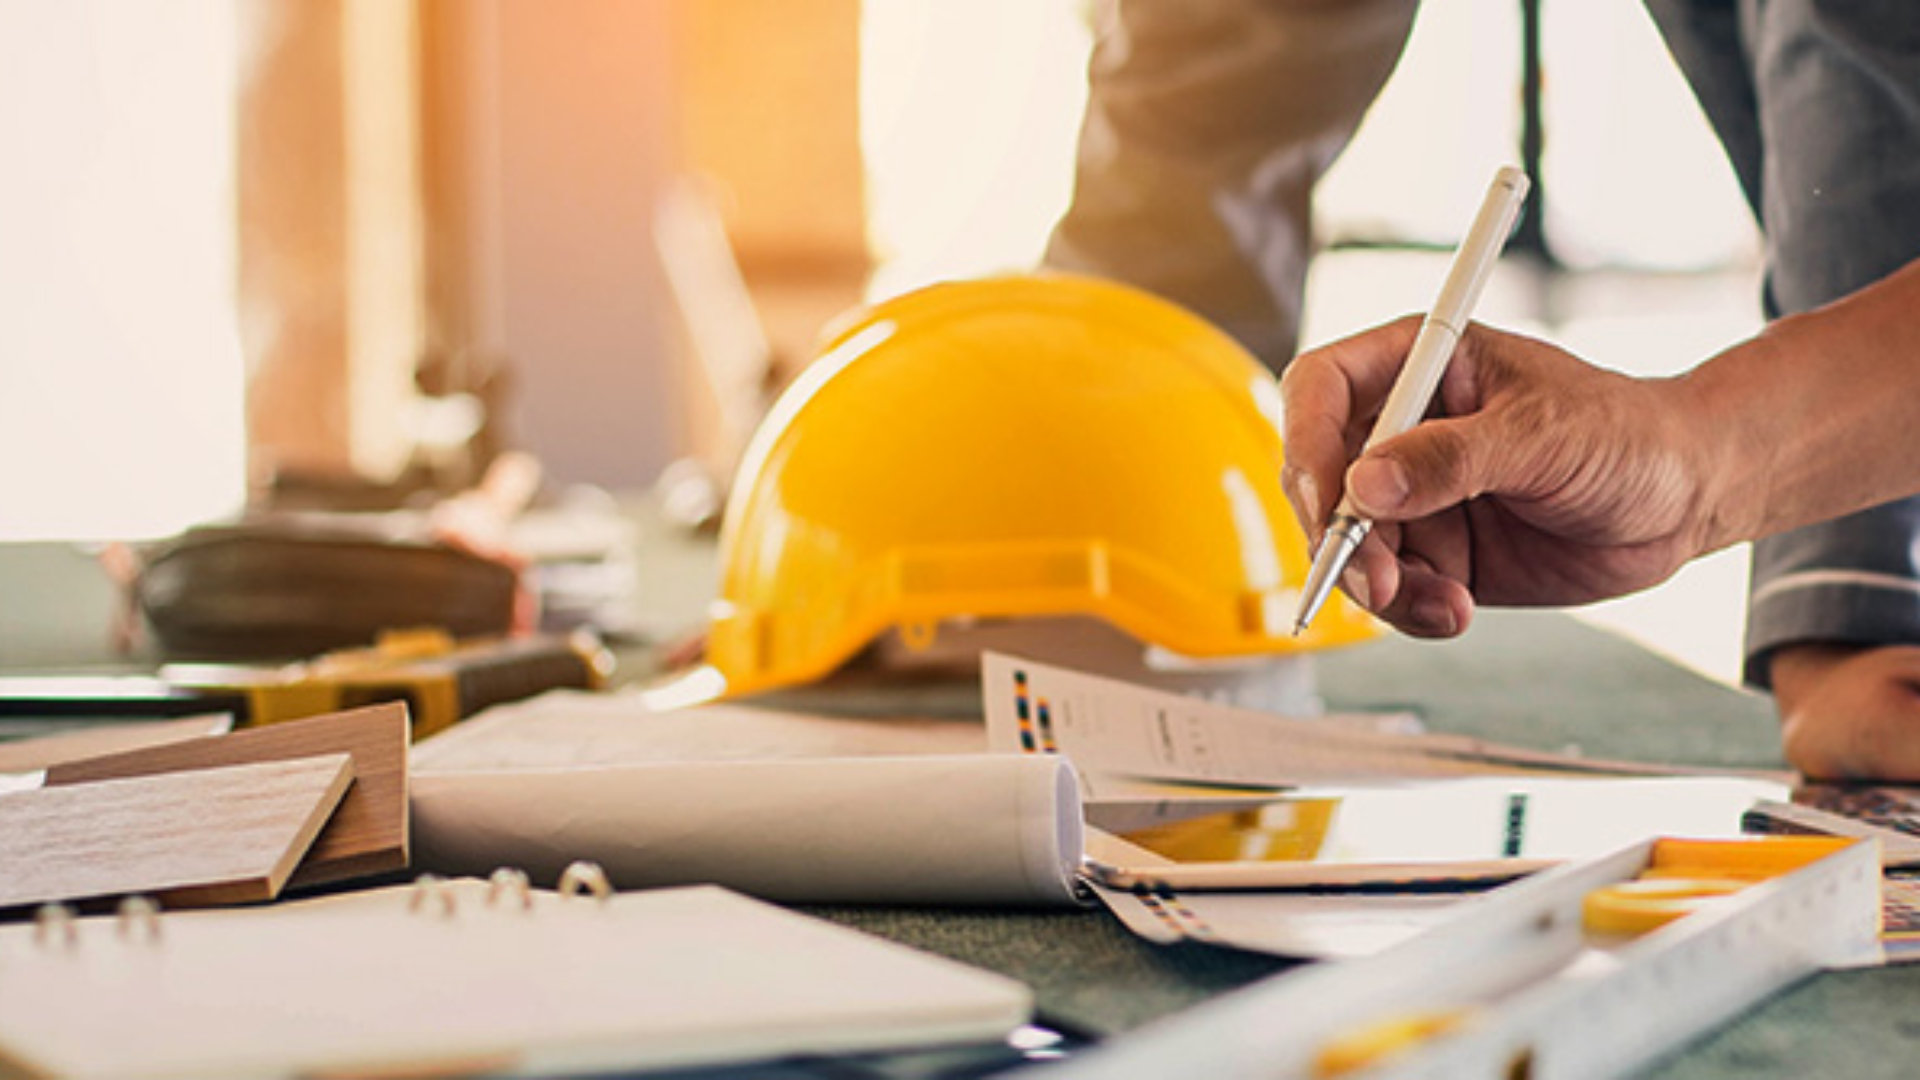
point(1012, 447)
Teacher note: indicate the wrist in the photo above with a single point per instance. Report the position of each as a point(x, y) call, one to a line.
point(1801, 415)
point(1708, 421)
point(1794, 671)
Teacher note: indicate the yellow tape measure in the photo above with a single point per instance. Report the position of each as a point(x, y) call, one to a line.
point(1370, 1044)
point(1631, 908)
point(1684, 876)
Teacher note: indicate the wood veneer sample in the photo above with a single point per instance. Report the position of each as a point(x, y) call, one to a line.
point(367, 835)
point(99, 739)
point(211, 836)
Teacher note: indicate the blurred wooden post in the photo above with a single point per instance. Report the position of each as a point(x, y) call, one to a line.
point(473, 181)
point(770, 122)
point(330, 292)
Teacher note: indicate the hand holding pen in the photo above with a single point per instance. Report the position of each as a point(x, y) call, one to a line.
point(1545, 481)
point(1420, 375)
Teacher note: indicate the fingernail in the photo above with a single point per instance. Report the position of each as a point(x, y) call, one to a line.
point(1306, 501)
point(1436, 615)
point(1378, 485)
point(1354, 582)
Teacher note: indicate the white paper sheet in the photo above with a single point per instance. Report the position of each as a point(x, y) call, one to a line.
point(1109, 727)
point(962, 829)
point(1304, 926)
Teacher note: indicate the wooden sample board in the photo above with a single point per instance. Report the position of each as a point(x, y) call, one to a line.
point(367, 835)
point(212, 836)
point(94, 740)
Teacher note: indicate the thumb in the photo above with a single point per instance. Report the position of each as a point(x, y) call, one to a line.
point(1421, 472)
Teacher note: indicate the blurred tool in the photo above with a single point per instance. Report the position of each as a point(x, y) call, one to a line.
point(282, 585)
point(442, 680)
point(275, 584)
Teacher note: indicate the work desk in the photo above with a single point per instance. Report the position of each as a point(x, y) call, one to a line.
point(1540, 679)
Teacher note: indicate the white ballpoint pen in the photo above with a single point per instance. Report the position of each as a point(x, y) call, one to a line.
point(1420, 375)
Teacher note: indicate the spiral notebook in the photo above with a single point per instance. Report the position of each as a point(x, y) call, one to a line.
point(467, 976)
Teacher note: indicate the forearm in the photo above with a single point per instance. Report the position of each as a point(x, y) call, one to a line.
point(1817, 416)
point(1207, 124)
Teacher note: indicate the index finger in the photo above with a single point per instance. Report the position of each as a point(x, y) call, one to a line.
point(1330, 396)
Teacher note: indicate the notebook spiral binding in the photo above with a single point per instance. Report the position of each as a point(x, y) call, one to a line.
point(54, 922)
point(509, 880)
point(586, 877)
point(579, 877)
point(58, 924)
point(138, 917)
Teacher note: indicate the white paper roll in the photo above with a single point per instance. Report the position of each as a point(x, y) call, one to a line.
point(963, 829)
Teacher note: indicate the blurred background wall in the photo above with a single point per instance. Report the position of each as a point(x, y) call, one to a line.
point(343, 250)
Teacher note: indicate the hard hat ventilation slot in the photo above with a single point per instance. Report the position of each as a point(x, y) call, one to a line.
point(918, 634)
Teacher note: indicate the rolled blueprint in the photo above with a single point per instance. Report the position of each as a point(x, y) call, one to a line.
point(948, 829)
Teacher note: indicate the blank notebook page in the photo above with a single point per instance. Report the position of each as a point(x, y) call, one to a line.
point(466, 978)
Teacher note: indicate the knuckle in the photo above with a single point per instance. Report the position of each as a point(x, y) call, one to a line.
point(1290, 375)
point(1445, 463)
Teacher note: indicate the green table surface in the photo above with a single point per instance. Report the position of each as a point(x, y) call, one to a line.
point(1539, 679)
